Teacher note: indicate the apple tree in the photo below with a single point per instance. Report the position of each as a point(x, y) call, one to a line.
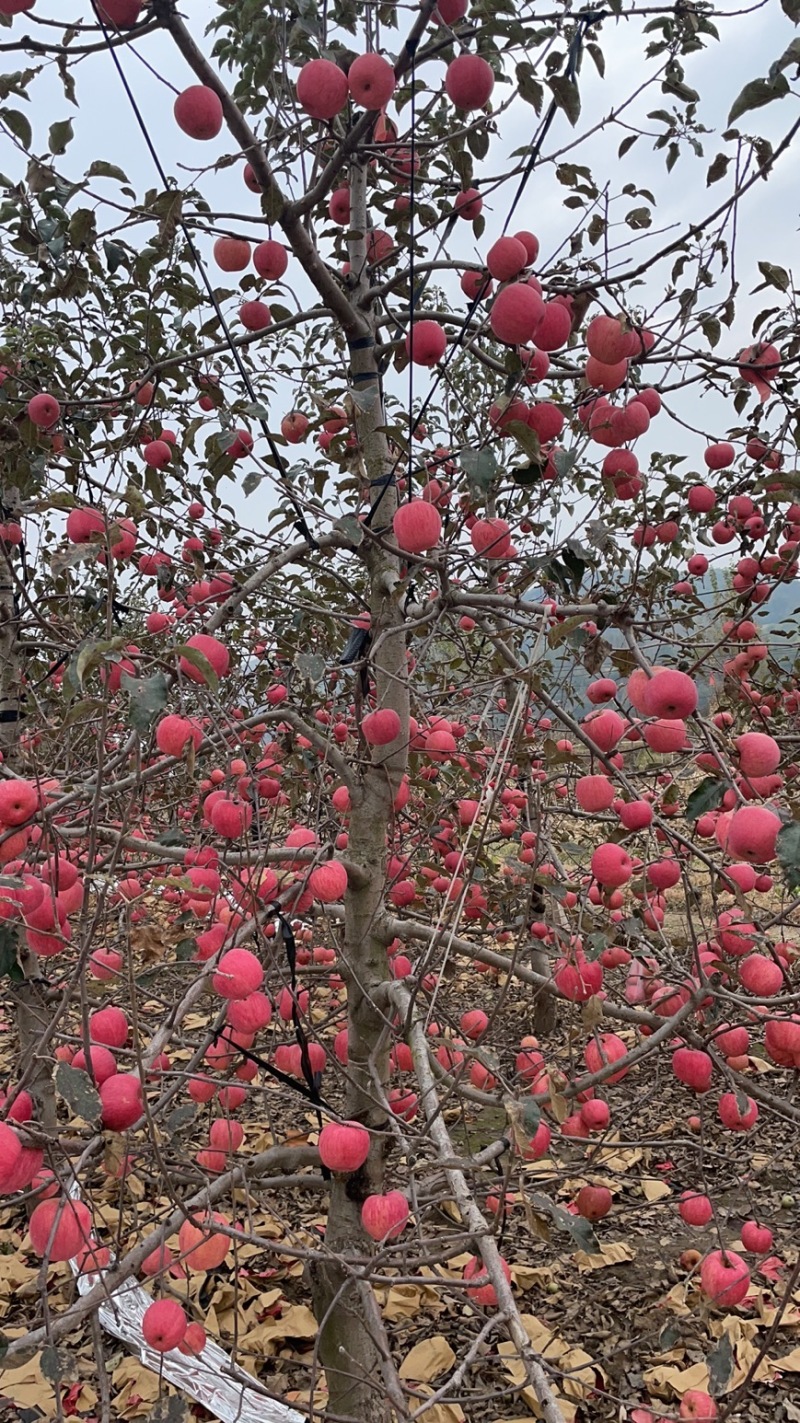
point(393, 508)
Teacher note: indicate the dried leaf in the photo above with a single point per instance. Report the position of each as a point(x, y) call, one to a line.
point(790, 1363)
point(428, 1359)
point(613, 1253)
point(654, 1190)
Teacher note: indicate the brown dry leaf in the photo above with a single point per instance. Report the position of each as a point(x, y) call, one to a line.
point(667, 1379)
point(456, 1263)
point(148, 943)
point(610, 1160)
point(296, 1322)
point(526, 1277)
point(28, 1387)
point(449, 1208)
point(135, 1389)
point(442, 1412)
point(767, 1313)
point(592, 1013)
point(653, 1189)
point(427, 1360)
point(406, 1301)
point(676, 1299)
point(614, 1253)
point(572, 1361)
point(790, 1363)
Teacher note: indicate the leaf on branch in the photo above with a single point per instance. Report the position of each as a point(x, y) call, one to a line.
point(707, 796)
point(791, 8)
point(101, 169)
point(148, 697)
point(712, 330)
point(526, 438)
point(352, 529)
point(575, 1225)
point(529, 88)
point(774, 276)
point(311, 666)
point(75, 1088)
point(567, 97)
point(252, 480)
point(9, 957)
point(19, 125)
point(57, 1365)
point(480, 467)
point(788, 847)
point(59, 136)
point(201, 663)
point(758, 93)
point(169, 1410)
point(718, 168)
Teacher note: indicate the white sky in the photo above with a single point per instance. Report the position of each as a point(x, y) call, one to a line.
point(105, 128)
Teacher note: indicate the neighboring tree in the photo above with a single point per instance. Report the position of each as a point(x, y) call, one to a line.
point(449, 701)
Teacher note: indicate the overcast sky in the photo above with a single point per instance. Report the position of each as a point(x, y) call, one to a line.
point(105, 128)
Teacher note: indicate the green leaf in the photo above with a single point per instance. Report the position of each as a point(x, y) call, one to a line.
point(352, 528)
point(567, 97)
point(59, 136)
point(181, 1117)
point(791, 8)
point(56, 1364)
point(480, 467)
point(100, 169)
point(196, 658)
point(74, 1087)
point(721, 1363)
point(529, 88)
point(718, 169)
point(574, 1225)
point(478, 142)
point(9, 954)
point(758, 93)
point(168, 1410)
point(707, 796)
point(148, 697)
point(531, 1115)
point(114, 255)
point(788, 847)
point(311, 666)
point(775, 276)
point(19, 125)
point(251, 481)
point(712, 329)
point(82, 227)
point(526, 438)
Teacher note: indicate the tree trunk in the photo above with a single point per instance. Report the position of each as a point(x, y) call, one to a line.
point(349, 1351)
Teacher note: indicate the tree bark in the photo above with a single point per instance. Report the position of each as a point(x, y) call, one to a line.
point(348, 1348)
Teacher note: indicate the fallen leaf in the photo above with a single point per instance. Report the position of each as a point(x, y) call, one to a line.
point(654, 1190)
point(790, 1363)
point(614, 1253)
point(442, 1412)
point(667, 1379)
point(428, 1359)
